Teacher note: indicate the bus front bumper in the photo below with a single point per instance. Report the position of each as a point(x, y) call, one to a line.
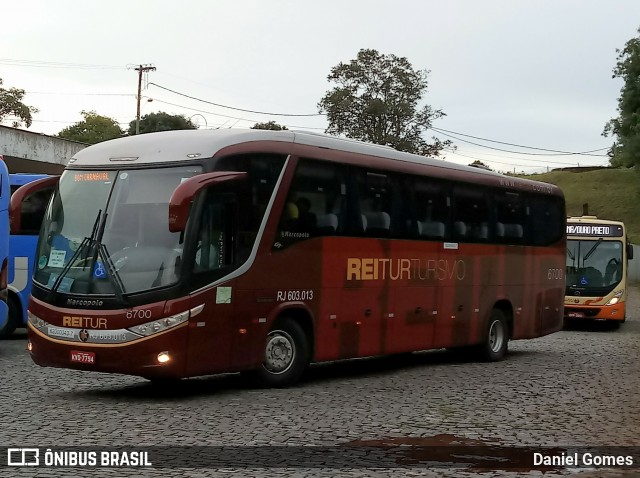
point(590, 312)
point(157, 356)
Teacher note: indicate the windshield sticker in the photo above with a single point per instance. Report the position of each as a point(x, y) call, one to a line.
point(65, 283)
point(223, 295)
point(56, 258)
point(42, 262)
point(99, 272)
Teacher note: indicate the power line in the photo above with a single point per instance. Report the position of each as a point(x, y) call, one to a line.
point(77, 94)
point(227, 116)
point(53, 64)
point(514, 152)
point(231, 107)
point(519, 145)
point(512, 163)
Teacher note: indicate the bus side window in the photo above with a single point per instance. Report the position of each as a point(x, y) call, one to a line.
point(471, 217)
point(214, 243)
point(33, 208)
point(375, 199)
point(431, 209)
point(511, 217)
point(315, 204)
point(547, 219)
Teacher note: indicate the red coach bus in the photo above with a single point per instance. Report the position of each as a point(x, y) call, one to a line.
point(187, 253)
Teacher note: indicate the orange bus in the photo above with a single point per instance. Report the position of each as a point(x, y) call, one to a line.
point(188, 253)
point(597, 255)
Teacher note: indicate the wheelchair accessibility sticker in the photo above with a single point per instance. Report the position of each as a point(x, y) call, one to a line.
point(99, 272)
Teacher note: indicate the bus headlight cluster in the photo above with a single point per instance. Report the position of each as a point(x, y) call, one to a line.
point(160, 325)
point(36, 321)
point(616, 297)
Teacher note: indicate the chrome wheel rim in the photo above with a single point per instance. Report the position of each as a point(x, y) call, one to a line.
point(280, 352)
point(496, 336)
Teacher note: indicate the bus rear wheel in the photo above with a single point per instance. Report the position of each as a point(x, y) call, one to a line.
point(496, 341)
point(13, 320)
point(286, 356)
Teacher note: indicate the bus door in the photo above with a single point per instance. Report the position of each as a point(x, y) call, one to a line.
point(210, 328)
point(210, 206)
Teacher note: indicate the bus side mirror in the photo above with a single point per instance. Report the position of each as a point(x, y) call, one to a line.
point(183, 195)
point(629, 251)
point(19, 197)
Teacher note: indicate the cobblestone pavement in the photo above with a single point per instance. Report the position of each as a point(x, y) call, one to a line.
point(578, 387)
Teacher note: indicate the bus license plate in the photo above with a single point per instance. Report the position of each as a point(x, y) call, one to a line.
point(83, 357)
point(576, 315)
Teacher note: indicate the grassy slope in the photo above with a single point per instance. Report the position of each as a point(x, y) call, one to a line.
point(611, 194)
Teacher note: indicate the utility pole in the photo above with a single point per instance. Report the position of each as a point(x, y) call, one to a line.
point(141, 69)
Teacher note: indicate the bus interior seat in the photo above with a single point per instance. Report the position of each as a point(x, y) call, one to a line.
point(483, 231)
point(326, 224)
point(459, 229)
point(612, 273)
point(434, 229)
point(593, 277)
point(363, 219)
point(509, 231)
point(377, 223)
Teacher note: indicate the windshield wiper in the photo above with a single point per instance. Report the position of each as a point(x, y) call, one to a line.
point(592, 250)
point(87, 241)
point(113, 274)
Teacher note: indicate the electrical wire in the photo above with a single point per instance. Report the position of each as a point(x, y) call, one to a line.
point(511, 151)
point(227, 116)
point(519, 145)
point(231, 107)
point(53, 64)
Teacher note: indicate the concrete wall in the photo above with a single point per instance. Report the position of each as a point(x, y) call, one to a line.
point(634, 265)
point(27, 152)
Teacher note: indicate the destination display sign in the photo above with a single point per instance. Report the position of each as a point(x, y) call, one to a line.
point(594, 230)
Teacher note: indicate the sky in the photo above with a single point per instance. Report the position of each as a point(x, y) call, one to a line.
point(529, 73)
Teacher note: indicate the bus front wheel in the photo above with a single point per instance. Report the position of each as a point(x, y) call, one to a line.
point(13, 319)
point(496, 340)
point(286, 355)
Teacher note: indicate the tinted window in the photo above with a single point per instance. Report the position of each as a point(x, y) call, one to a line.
point(471, 217)
point(511, 217)
point(547, 220)
point(316, 204)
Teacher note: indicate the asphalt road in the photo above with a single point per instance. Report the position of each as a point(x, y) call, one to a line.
point(575, 388)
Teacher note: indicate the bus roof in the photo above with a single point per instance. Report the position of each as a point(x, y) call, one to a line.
point(592, 220)
point(170, 146)
point(185, 145)
point(19, 179)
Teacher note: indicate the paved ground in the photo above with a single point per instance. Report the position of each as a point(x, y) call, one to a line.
point(575, 388)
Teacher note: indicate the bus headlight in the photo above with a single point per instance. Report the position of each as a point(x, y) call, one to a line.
point(160, 325)
point(163, 357)
point(36, 321)
point(616, 297)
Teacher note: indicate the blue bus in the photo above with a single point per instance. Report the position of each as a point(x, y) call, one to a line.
point(4, 241)
point(22, 248)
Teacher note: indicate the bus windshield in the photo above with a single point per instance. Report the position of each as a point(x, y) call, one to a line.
point(593, 264)
point(106, 232)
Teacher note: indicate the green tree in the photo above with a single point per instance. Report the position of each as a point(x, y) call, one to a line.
point(376, 99)
point(626, 127)
point(480, 164)
point(11, 105)
point(161, 121)
point(272, 125)
point(93, 129)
